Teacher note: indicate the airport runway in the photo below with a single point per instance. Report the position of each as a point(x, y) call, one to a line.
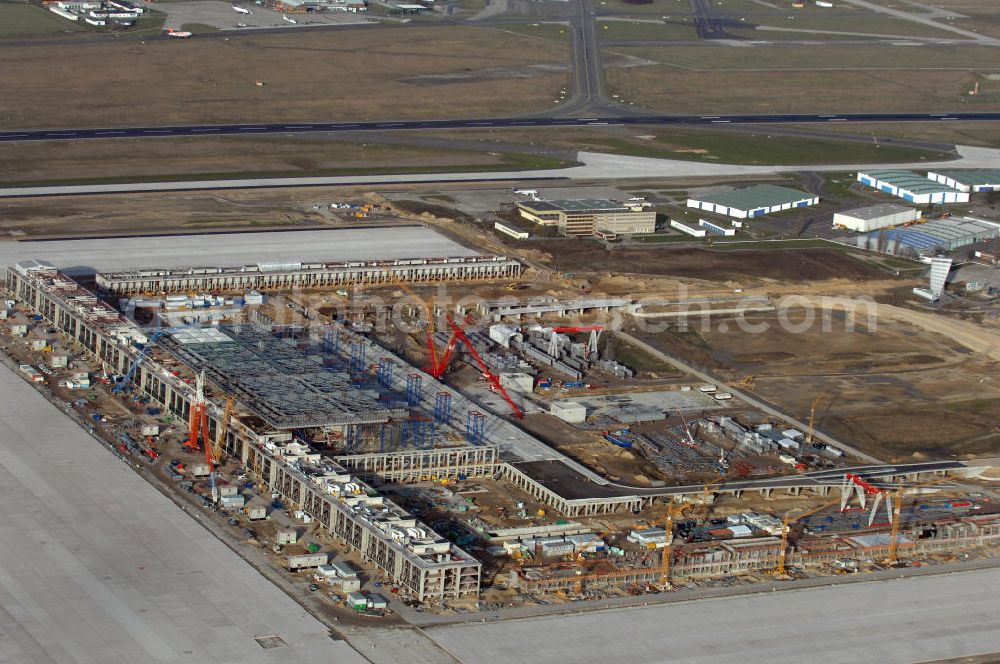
point(484, 123)
point(98, 566)
point(918, 619)
point(84, 257)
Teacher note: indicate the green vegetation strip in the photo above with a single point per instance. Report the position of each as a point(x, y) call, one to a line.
point(512, 162)
point(758, 149)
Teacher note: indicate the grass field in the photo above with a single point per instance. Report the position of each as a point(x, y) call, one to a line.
point(231, 157)
point(980, 15)
point(17, 19)
point(668, 89)
point(816, 58)
point(680, 29)
point(984, 134)
point(760, 148)
point(551, 31)
point(672, 8)
point(308, 76)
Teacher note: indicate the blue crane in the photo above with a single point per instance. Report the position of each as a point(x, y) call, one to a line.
point(124, 381)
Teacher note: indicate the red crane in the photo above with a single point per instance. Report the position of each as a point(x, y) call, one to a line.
point(199, 429)
point(459, 334)
point(586, 328)
point(439, 364)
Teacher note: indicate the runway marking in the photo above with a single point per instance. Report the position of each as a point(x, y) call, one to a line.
point(65, 133)
point(298, 126)
point(158, 131)
point(107, 133)
point(252, 128)
point(207, 129)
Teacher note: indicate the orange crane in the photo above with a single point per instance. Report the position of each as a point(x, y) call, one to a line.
point(490, 376)
point(199, 428)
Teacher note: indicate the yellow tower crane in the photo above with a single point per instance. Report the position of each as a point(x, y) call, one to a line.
point(812, 418)
point(673, 510)
point(220, 435)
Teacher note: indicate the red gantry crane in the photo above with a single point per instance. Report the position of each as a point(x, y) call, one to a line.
point(199, 429)
point(460, 335)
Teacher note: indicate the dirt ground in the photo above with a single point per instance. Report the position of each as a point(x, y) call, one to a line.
point(792, 266)
point(173, 212)
point(897, 391)
point(309, 76)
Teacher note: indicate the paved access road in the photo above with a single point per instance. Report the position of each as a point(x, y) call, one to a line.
point(485, 123)
point(918, 619)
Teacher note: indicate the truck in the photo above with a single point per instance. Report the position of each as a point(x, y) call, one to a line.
point(617, 438)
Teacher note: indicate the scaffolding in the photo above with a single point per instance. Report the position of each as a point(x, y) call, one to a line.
point(357, 357)
point(442, 407)
point(414, 386)
point(418, 433)
point(475, 427)
point(385, 366)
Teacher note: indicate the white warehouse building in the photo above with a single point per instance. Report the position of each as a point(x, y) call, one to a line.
point(972, 180)
point(753, 201)
point(874, 217)
point(912, 187)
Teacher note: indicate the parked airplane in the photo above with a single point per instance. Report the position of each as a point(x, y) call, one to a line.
point(180, 34)
point(242, 10)
point(288, 19)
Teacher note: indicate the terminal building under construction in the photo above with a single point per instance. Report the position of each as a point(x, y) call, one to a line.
point(416, 559)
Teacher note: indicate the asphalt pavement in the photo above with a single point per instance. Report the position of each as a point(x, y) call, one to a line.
point(484, 123)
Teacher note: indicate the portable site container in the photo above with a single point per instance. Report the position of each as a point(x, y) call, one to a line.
point(307, 560)
point(357, 601)
point(232, 502)
point(288, 537)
